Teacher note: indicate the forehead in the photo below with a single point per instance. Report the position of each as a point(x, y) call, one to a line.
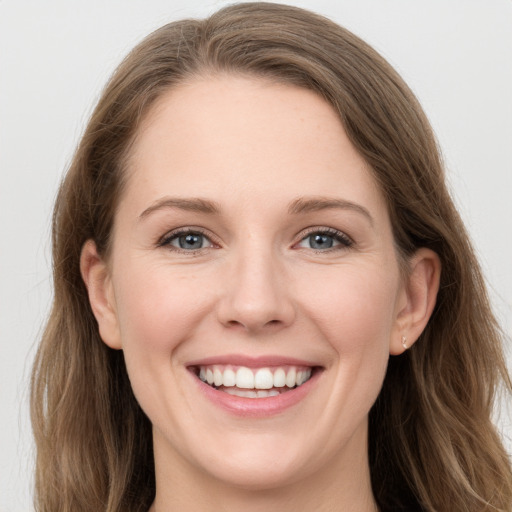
point(226, 134)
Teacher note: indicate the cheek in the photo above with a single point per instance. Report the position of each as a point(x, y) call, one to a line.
point(358, 323)
point(355, 310)
point(157, 308)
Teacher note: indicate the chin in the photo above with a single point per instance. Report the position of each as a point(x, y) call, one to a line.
point(260, 471)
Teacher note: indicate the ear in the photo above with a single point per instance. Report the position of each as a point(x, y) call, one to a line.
point(99, 286)
point(417, 301)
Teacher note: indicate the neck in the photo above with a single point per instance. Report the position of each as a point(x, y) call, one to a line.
point(342, 486)
point(284, 500)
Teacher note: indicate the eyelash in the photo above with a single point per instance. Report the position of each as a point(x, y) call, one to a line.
point(166, 240)
point(344, 241)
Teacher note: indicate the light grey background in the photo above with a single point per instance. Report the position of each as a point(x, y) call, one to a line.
point(55, 56)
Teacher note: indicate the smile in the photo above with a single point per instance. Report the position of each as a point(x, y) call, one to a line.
point(253, 382)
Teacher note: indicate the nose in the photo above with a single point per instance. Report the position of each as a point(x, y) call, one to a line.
point(256, 295)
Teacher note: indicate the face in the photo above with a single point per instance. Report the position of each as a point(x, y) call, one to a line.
point(253, 284)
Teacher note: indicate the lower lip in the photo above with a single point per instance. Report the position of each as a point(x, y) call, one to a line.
point(257, 407)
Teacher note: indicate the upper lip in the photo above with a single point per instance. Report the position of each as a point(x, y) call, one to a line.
point(251, 361)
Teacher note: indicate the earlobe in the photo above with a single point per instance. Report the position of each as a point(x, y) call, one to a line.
point(97, 280)
point(420, 294)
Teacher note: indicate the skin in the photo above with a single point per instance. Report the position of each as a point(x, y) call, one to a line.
point(256, 287)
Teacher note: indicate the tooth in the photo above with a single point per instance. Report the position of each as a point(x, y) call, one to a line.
point(244, 378)
point(249, 393)
point(290, 377)
point(303, 376)
point(279, 378)
point(217, 377)
point(263, 379)
point(229, 378)
point(244, 393)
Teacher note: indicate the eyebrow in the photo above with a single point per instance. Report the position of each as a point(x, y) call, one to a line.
point(314, 204)
point(193, 204)
point(296, 207)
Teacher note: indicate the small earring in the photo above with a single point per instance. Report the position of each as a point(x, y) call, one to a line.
point(404, 342)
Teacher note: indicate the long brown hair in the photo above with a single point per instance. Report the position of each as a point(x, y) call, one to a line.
point(432, 443)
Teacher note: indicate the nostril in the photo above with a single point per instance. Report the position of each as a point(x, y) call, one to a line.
point(236, 323)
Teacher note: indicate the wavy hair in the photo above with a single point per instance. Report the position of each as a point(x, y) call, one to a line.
point(431, 441)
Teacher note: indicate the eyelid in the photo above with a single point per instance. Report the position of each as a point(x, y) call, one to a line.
point(344, 240)
point(164, 241)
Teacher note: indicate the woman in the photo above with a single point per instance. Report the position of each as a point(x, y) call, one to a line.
point(254, 221)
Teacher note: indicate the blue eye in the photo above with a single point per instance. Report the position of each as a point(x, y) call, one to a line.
point(325, 240)
point(187, 241)
point(319, 241)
